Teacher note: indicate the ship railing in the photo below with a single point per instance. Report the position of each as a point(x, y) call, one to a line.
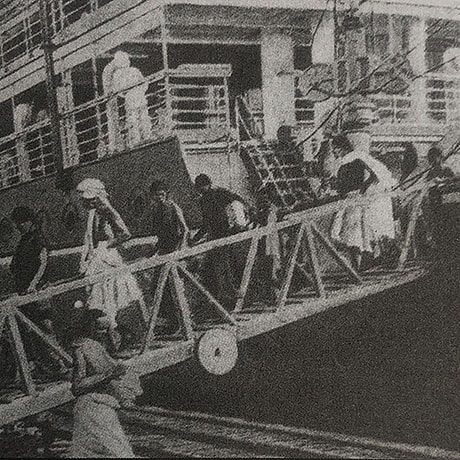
point(199, 112)
point(104, 126)
point(262, 270)
point(66, 12)
point(191, 107)
point(26, 155)
point(393, 108)
point(20, 21)
point(21, 36)
point(441, 102)
point(305, 112)
point(442, 97)
point(194, 111)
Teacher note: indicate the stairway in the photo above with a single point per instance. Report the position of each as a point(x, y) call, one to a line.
point(282, 172)
point(279, 169)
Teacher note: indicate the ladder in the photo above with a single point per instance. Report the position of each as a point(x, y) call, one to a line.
point(280, 171)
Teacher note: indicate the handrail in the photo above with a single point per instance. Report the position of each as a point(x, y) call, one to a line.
point(155, 261)
point(94, 142)
point(26, 130)
point(158, 76)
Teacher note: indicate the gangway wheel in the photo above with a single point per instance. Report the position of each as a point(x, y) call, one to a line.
point(217, 351)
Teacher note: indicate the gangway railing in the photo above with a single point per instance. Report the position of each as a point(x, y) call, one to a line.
point(306, 272)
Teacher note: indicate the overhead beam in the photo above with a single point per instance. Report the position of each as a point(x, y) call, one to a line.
point(437, 9)
point(227, 15)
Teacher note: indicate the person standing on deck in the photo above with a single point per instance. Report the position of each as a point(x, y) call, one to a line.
point(97, 384)
point(130, 80)
point(223, 214)
point(169, 226)
point(113, 122)
point(105, 233)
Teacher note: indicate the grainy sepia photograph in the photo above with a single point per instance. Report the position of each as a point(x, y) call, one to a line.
point(230, 229)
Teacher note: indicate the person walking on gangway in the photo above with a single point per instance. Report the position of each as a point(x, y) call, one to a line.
point(29, 270)
point(168, 222)
point(223, 213)
point(105, 233)
point(169, 226)
point(361, 228)
point(30, 258)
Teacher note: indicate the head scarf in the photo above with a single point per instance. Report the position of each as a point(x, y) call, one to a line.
point(92, 188)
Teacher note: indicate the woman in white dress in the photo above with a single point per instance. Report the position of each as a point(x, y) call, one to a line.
point(105, 231)
point(360, 228)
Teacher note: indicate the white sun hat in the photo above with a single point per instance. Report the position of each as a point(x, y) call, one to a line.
point(91, 188)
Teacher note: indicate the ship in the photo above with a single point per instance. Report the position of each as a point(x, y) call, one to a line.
point(129, 92)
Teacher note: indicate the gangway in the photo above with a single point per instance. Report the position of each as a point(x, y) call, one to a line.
point(314, 277)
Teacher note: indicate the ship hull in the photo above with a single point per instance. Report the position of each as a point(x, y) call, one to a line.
point(346, 370)
point(127, 177)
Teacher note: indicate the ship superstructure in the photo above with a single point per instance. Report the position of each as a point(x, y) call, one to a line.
point(216, 74)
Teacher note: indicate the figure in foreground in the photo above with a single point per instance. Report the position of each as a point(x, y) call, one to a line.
point(99, 384)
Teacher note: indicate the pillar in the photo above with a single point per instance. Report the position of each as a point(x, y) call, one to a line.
point(277, 56)
point(323, 52)
point(417, 59)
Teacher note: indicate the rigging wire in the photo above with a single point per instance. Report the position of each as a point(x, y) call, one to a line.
point(356, 87)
